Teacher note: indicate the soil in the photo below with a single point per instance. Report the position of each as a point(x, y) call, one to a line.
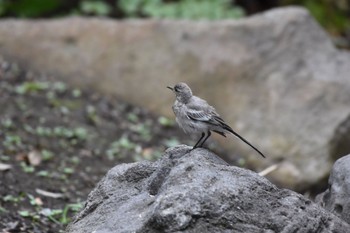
point(58, 141)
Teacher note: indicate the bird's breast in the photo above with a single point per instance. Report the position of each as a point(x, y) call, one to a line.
point(187, 124)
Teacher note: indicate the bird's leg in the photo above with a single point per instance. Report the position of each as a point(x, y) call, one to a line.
point(209, 133)
point(195, 146)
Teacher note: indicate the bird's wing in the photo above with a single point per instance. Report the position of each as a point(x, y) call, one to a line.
point(198, 115)
point(199, 110)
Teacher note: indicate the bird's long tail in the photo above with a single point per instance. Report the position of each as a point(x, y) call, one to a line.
point(229, 129)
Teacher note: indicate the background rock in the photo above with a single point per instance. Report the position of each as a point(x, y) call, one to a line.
point(337, 197)
point(195, 191)
point(275, 78)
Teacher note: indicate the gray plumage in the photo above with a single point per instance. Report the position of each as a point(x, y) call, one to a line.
point(195, 116)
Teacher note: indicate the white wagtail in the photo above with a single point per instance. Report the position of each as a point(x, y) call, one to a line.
point(195, 115)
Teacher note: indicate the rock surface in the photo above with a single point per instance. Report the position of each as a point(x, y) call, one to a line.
point(276, 78)
point(336, 198)
point(196, 191)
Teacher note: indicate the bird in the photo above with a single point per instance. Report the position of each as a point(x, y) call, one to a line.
point(195, 116)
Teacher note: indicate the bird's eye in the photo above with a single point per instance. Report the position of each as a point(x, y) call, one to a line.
point(176, 89)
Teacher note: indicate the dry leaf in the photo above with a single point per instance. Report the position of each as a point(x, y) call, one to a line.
point(268, 170)
point(38, 201)
point(21, 157)
point(49, 194)
point(5, 167)
point(147, 152)
point(34, 158)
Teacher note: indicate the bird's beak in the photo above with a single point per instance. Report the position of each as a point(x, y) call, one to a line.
point(171, 88)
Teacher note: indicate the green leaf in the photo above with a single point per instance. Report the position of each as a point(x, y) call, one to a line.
point(3, 7)
point(171, 142)
point(76, 93)
point(24, 213)
point(165, 121)
point(81, 133)
point(68, 170)
point(184, 9)
point(130, 7)
point(95, 7)
point(3, 210)
point(27, 168)
point(43, 173)
point(46, 155)
point(30, 87)
point(32, 8)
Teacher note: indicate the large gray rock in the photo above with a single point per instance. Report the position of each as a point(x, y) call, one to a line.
point(337, 197)
point(196, 191)
point(276, 78)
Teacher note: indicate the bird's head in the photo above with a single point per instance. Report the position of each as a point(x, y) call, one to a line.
point(182, 91)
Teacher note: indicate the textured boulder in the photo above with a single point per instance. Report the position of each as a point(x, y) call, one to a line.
point(336, 198)
point(196, 191)
point(276, 78)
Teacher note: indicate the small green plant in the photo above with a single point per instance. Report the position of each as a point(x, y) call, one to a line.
point(64, 110)
point(3, 210)
point(21, 104)
point(95, 8)
point(179, 9)
point(51, 95)
point(27, 168)
point(28, 8)
point(43, 173)
point(241, 162)
point(166, 122)
point(31, 87)
point(143, 129)
point(120, 147)
point(25, 213)
point(12, 142)
point(185, 9)
point(171, 142)
point(80, 133)
point(125, 143)
point(28, 128)
point(75, 160)
point(92, 114)
point(76, 93)
point(333, 15)
point(4, 158)
point(43, 131)
point(33, 201)
point(51, 214)
point(132, 117)
point(46, 155)
point(13, 199)
point(60, 131)
point(74, 207)
point(7, 123)
point(60, 216)
point(59, 86)
point(29, 214)
point(68, 170)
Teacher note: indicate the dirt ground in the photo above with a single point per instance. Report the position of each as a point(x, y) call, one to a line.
point(57, 142)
